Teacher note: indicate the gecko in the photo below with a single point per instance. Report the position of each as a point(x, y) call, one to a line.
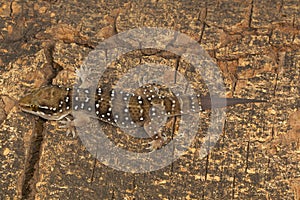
point(132, 109)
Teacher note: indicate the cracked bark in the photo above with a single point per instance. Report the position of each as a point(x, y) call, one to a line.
point(31, 170)
point(258, 43)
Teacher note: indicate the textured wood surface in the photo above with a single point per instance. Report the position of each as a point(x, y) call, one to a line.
point(256, 44)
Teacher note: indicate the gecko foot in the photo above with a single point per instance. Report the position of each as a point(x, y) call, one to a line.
point(69, 125)
point(157, 142)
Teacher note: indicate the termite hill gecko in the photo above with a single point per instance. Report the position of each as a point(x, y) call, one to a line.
point(56, 103)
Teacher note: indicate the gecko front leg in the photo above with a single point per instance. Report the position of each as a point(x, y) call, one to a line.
point(69, 125)
point(79, 120)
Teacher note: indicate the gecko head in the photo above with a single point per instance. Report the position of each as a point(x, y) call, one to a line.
point(49, 102)
point(28, 104)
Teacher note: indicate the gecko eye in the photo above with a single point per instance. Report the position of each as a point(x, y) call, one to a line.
point(33, 107)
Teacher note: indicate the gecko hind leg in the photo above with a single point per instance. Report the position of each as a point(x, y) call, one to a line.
point(154, 127)
point(158, 140)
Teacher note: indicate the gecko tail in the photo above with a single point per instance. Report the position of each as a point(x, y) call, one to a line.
point(206, 102)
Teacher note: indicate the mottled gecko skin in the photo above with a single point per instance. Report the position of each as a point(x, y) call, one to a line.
point(146, 103)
